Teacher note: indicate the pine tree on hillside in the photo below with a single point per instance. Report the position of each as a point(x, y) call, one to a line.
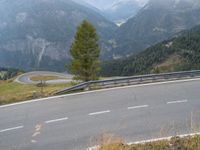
point(85, 53)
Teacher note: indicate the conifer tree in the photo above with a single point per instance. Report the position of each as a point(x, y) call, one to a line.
point(85, 53)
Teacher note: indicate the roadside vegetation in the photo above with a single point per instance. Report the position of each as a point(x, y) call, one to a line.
point(7, 73)
point(175, 143)
point(11, 91)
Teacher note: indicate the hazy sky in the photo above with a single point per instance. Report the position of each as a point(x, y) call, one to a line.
point(101, 4)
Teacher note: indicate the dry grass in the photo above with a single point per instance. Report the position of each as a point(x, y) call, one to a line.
point(11, 92)
point(176, 143)
point(44, 78)
point(111, 142)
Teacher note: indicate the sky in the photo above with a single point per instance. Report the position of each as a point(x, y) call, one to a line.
point(103, 4)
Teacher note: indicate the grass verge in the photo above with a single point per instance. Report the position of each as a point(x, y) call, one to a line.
point(11, 92)
point(175, 143)
point(44, 78)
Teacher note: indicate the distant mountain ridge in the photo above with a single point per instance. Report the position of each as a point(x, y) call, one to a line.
point(156, 21)
point(118, 11)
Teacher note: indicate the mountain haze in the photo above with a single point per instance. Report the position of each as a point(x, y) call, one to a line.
point(118, 11)
point(157, 21)
point(36, 34)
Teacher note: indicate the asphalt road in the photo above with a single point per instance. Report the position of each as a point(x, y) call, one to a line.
point(26, 78)
point(74, 122)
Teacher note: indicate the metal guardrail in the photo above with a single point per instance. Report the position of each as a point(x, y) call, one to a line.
point(134, 80)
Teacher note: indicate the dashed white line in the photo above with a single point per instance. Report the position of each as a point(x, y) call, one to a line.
point(137, 107)
point(56, 120)
point(10, 129)
point(175, 102)
point(100, 112)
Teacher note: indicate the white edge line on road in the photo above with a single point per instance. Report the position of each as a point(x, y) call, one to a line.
point(137, 107)
point(176, 102)
point(163, 138)
point(97, 147)
point(56, 120)
point(102, 90)
point(99, 113)
point(10, 129)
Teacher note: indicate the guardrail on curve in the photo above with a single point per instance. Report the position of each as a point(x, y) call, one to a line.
point(133, 80)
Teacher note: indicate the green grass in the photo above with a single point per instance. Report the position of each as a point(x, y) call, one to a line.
point(11, 92)
point(44, 78)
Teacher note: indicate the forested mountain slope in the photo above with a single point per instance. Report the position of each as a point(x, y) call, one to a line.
point(155, 22)
point(182, 52)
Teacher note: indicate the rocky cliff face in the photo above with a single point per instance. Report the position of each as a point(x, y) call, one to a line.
point(37, 34)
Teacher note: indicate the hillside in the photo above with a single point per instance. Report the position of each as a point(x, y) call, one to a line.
point(182, 52)
point(155, 22)
point(37, 34)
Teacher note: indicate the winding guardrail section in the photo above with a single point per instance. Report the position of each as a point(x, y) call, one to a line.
point(133, 80)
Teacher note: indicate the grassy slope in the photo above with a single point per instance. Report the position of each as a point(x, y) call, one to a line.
point(44, 78)
point(13, 92)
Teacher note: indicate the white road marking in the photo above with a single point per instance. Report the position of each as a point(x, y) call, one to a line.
point(164, 138)
point(176, 102)
point(137, 107)
point(95, 91)
point(56, 120)
point(99, 113)
point(33, 141)
point(36, 134)
point(10, 129)
point(38, 127)
point(97, 147)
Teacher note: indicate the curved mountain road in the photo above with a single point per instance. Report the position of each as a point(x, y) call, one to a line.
point(75, 121)
point(26, 78)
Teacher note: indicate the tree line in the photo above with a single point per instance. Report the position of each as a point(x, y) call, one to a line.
point(8, 73)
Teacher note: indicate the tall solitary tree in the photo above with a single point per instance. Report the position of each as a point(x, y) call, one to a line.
point(85, 53)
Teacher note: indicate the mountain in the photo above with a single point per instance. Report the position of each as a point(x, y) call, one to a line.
point(121, 10)
point(100, 4)
point(118, 11)
point(156, 21)
point(37, 34)
point(181, 52)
